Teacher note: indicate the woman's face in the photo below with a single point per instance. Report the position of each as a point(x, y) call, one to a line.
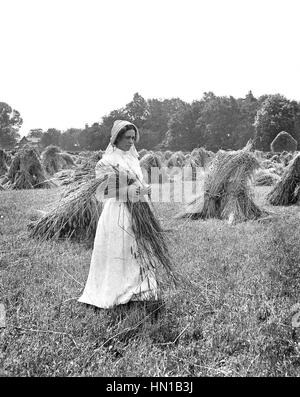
point(126, 141)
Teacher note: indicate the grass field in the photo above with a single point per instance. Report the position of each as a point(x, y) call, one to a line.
point(231, 316)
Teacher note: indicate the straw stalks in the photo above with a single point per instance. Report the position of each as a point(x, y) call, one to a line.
point(150, 160)
point(176, 160)
point(287, 191)
point(26, 171)
point(265, 178)
point(3, 162)
point(54, 160)
point(284, 141)
point(76, 215)
point(227, 189)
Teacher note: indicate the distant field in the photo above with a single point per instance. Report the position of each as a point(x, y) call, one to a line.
point(231, 315)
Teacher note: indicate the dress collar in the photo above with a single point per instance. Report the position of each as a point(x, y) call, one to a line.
point(122, 152)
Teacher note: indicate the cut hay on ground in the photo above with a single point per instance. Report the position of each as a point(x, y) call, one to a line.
point(26, 171)
point(287, 190)
point(227, 189)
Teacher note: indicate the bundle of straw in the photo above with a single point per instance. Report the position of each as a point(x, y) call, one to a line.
point(286, 191)
point(26, 171)
point(150, 160)
point(3, 162)
point(286, 157)
point(151, 241)
point(142, 153)
point(54, 159)
point(76, 215)
point(200, 157)
point(176, 160)
point(276, 158)
point(227, 193)
point(265, 178)
point(167, 154)
point(284, 141)
point(68, 159)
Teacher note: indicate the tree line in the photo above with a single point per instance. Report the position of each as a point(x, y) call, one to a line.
point(214, 122)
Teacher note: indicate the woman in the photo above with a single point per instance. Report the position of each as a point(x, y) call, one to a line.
point(115, 273)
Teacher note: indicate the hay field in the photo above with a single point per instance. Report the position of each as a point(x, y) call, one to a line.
point(231, 316)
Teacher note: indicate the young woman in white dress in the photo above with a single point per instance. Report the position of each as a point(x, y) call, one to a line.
point(114, 276)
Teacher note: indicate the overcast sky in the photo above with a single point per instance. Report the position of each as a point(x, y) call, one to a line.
point(65, 63)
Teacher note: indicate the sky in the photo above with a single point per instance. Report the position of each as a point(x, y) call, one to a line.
point(67, 63)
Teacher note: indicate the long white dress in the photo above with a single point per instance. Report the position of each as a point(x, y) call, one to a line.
point(114, 276)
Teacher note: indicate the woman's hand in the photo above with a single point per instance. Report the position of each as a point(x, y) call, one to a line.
point(134, 192)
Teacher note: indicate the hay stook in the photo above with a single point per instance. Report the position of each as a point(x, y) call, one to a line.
point(265, 178)
point(287, 189)
point(284, 142)
point(54, 160)
point(148, 161)
point(227, 189)
point(26, 171)
point(3, 162)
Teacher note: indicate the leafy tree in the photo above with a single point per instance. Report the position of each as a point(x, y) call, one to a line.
point(137, 111)
point(247, 109)
point(108, 121)
point(93, 138)
point(10, 122)
point(154, 128)
point(276, 114)
point(297, 122)
point(36, 133)
point(219, 121)
point(51, 137)
point(69, 139)
point(185, 132)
